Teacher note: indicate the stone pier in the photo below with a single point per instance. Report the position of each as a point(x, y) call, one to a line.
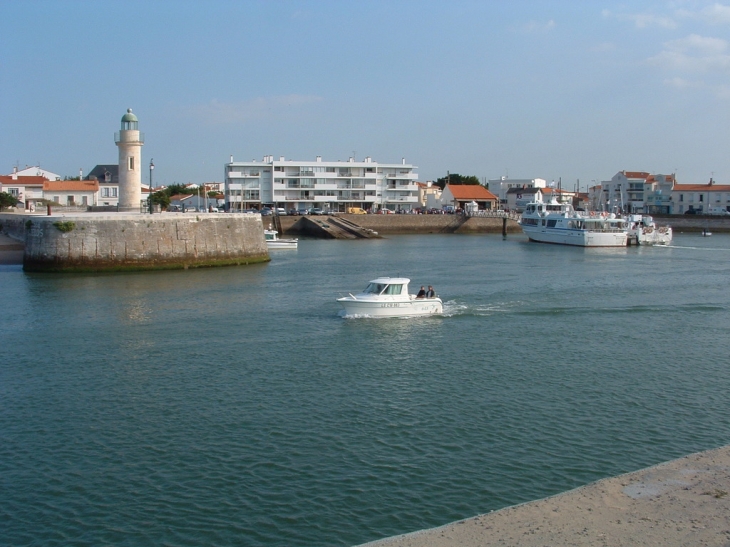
point(90, 242)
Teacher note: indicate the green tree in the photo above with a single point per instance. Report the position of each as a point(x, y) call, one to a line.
point(7, 200)
point(456, 178)
point(162, 198)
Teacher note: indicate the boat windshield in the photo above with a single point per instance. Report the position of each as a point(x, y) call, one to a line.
point(374, 288)
point(383, 288)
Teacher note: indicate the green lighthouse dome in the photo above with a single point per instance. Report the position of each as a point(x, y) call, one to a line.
point(129, 117)
point(129, 120)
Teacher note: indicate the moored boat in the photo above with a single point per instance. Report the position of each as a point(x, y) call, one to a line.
point(389, 297)
point(644, 231)
point(559, 223)
point(273, 241)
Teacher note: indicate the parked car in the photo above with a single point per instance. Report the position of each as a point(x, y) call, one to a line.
point(690, 212)
point(280, 211)
point(356, 211)
point(173, 209)
point(316, 211)
point(293, 212)
point(266, 212)
point(303, 211)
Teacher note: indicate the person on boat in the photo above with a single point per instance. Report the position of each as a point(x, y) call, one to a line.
point(421, 293)
point(430, 293)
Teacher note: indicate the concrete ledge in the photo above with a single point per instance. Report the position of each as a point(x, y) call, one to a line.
point(679, 503)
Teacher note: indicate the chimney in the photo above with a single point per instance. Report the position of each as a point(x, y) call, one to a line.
point(231, 158)
point(319, 159)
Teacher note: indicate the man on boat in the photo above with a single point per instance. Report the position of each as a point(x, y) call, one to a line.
point(421, 293)
point(430, 293)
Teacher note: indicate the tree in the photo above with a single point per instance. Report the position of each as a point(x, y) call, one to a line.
point(455, 178)
point(162, 198)
point(7, 200)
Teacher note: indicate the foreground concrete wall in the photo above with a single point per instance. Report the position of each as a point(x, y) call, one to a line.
point(138, 242)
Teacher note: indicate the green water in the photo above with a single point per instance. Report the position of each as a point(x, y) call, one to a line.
point(234, 406)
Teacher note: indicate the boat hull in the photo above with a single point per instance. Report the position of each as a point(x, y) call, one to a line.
point(391, 308)
point(282, 244)
point(578, 238)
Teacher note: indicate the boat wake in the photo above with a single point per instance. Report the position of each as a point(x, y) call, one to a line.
point(453, 308)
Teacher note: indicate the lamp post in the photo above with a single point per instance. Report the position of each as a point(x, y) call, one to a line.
point(152, 167)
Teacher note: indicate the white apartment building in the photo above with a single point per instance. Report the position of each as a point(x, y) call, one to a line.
point(333, 185)
point(501, 186)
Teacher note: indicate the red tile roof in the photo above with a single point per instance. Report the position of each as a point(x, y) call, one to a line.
point(23, 181)
point(636, 174)
point(701, 188)
point(476, 192)
point(71, 186)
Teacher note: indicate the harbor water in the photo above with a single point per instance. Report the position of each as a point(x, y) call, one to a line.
point(235, 406)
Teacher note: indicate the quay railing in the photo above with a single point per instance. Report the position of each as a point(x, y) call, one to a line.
point(485, 213)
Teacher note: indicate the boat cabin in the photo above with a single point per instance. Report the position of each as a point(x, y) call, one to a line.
point(387, 286)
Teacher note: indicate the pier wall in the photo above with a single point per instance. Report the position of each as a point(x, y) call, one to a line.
point(411, 224)
point(119, 242)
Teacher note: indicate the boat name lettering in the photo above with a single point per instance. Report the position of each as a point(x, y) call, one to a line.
point(390, 305)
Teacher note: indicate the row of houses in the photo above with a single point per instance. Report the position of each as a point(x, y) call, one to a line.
point(626, 192)
point(34, 187)
point(371, 186)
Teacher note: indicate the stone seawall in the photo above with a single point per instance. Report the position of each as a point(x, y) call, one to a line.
point(126, 242)
point(433, 224)
point(412, 224)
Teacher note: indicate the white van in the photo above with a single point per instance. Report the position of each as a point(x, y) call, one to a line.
point(719, 211)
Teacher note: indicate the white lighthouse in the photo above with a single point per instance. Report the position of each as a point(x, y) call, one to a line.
point(130, 142)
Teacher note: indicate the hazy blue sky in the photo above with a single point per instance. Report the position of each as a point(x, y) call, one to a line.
point(572, 89)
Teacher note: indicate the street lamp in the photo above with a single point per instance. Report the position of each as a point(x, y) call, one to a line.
point(152, 166)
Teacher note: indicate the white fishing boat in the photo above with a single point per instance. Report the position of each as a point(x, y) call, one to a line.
point(644, 231)
point(273, 241)
point(389, 297)
point(559, 223)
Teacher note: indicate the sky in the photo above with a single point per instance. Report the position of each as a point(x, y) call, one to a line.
point(569, 90)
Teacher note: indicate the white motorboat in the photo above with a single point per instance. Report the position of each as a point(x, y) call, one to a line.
point(559, 223)
point(389, 297)
point(644, 231)
point(273, 241)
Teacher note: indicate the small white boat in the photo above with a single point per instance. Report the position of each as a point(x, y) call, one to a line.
point(273, 241)
point(389, 297)
point(644, 231)
point(553, 222)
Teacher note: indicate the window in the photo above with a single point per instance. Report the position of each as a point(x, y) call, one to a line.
point(13, 192)
point(114, 192)
point(84, 200)
point(105, 192)
point(130, 163)
point(57, 199)
point(69, 200)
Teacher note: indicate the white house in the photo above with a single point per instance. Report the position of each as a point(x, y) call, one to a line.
point(35, 172)
point(333, 185)
point(501, 186)
point(701, 198)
